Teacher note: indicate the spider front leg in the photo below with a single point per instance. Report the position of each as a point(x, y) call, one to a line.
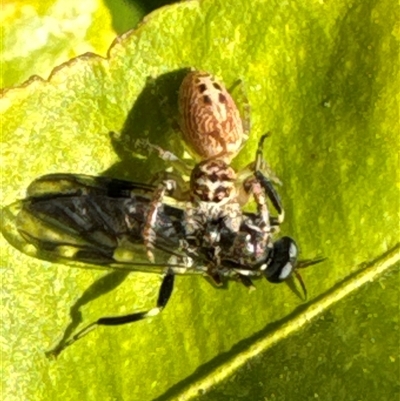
point(265, 182)
point(151, 218)
point(273, 196)
point(252, 186)
point(261, 186)
point(172, 160)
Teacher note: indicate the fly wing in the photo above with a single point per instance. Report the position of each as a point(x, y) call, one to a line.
point(81, 184)
point(91, 222)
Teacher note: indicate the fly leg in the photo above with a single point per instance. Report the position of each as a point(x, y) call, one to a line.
point(246, 281)
point(164, 295)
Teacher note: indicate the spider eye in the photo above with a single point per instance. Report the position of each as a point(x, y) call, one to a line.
point(283, 260)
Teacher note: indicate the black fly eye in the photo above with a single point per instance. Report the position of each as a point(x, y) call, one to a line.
point(283, 260)
point(283, 263)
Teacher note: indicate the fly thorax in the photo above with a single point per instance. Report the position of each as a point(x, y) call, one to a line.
point(252, 244)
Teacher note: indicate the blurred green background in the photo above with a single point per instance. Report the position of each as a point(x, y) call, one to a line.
point(39, 35)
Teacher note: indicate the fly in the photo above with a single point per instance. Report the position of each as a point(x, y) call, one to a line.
point(80, 220)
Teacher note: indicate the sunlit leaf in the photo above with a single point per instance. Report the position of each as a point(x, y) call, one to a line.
point(321, 76)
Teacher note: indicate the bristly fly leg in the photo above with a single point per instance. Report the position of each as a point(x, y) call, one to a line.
point(164, 295)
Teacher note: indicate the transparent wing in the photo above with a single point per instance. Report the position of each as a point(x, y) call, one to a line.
point(80, 184)
point(92, 222)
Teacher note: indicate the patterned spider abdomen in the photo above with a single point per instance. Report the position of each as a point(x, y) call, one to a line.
point(209, 119)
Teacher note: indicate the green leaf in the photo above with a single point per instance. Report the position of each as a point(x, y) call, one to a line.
point(346, 354)
point(320, 76)
point(40, 35)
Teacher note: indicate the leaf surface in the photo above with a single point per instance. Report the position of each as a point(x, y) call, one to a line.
point(320, 76)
